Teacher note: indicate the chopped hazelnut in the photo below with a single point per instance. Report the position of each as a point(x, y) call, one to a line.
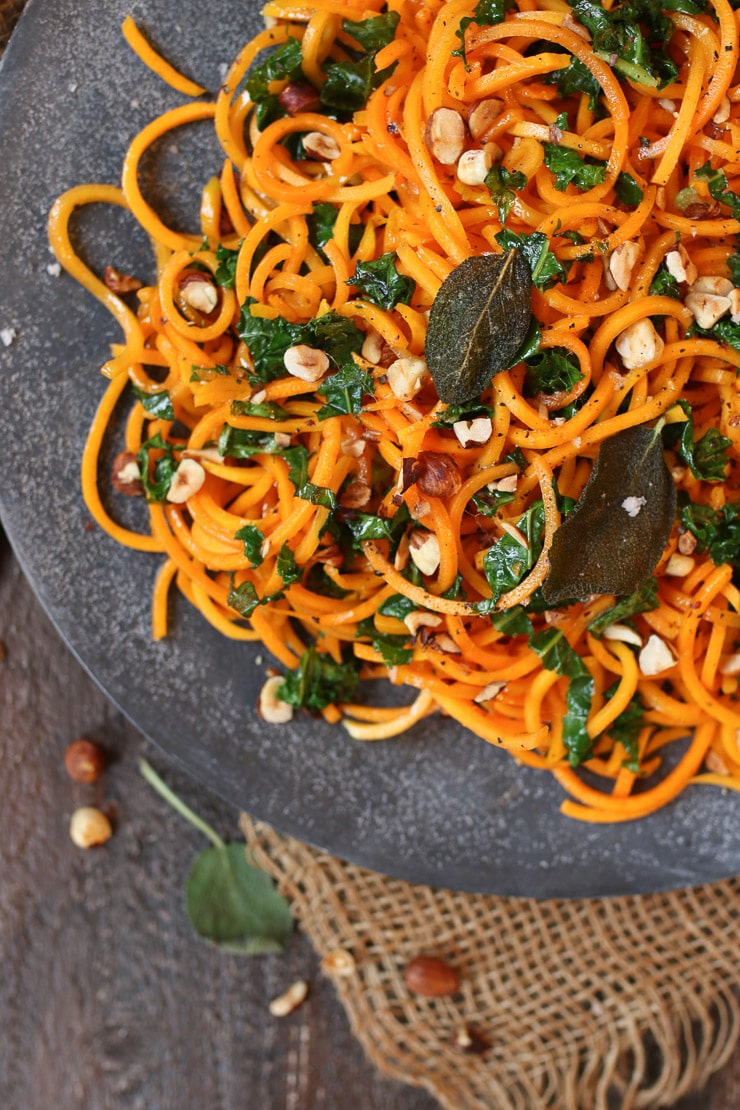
point(445, 135)
point(406, 377)
point(622, 262)
point(482, 115)
point(339, 962)
point(356, 496)
point(655, 656)
point(419, 619)
point(299, 96)
point(198, 291)
point(715, 284)
point(473, 166)
point(723, 111)
point(89, 827)
point(118, 282)
point(707, 308)
point(680, 565)
point(125, 474)
point(84, 760)
point(186, 481)
point(489, 692)
point(290, 1000)
point(435, 474)
point(425, 552)
point(472, 432)
point(730, 664)
point(686, 543)
point(639, 344)
point(307, 363)
point(321, 147)
point(270, 707)
point(623, 633)
point(679, 265)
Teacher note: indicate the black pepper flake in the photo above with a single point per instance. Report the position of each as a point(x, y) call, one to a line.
point(393, 128)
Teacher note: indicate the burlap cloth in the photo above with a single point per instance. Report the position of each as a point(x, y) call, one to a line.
point(627, 1002)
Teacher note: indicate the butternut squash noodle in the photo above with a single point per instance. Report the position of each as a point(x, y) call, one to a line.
point(306, 486)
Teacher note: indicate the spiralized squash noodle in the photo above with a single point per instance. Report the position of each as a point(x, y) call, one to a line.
point(651, 208)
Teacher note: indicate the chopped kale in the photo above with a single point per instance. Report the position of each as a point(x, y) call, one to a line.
point(379, 282)
point(318, 681)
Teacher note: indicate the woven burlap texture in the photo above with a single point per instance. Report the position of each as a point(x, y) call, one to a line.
point(628, 1002)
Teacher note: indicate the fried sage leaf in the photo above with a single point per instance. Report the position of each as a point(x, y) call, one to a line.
point(614, 537)
point(477, 323)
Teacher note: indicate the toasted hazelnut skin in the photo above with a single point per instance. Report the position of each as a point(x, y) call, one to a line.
point(89, 827)
point(84, 760)
point(125, 475)
point(431, 977)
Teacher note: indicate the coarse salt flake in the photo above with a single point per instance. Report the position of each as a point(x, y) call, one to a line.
point(632, 505)
point(54, 269)
point(7, 336)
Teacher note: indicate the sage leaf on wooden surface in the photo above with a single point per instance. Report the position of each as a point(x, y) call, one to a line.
point(478, 321)
point(230, 903)
point(234, 905)
point(615, 535)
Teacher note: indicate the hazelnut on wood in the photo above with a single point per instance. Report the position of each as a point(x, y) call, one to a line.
point(89, 827)
point(84, 760)
point(290, 1000)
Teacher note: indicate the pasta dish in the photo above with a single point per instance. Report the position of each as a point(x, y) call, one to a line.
point(442, 388)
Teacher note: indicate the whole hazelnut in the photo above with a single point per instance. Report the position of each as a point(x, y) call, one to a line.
point(84, 760)
point(431, 977)
point(89, 827)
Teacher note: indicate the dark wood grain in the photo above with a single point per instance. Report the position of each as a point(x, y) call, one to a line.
point(107, 999)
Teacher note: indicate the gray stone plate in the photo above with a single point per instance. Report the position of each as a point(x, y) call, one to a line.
point(438, 806)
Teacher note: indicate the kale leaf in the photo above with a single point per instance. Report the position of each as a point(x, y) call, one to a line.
point(344, 391)
point(576, 77)
point(642, 600)
point(157, 478)
point(507, 562)
point(379, 282)
point(546, 268)
point(706, 457)
point(569, 168)
point(318, 681)
point(284, 62)
point(156, 404)
point(557, 655)
point(252, 539)
point(718, 187)
point(717, 530)
point(552, 370)
point(503, 184)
